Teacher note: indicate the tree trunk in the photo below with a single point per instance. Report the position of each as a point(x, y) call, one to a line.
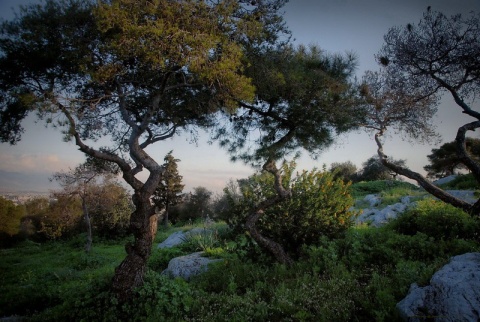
point(88, 245)
point(424, 183)
point(165, 216)
point(143, 224)
point(282, 194)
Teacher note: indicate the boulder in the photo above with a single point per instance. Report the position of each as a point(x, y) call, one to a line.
point(188, 265)
point(373, 200)
point(453, 293)
point(179, 237)
point(173, 240)
point(445, 180)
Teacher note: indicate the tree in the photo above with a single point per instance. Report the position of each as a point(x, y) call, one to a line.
point(10, 217)
point(319, 207)
point(421, 62)
point(303, 101)
point(82, 182)
point(444, 161)
point(135, 71)
point(373, 169)
point(347, 171)
point(169, 190)
point(110, 209)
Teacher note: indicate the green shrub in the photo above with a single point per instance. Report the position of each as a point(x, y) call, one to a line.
point(160, 258)
point(438, 220)
point(200, 241)
point(319, 206)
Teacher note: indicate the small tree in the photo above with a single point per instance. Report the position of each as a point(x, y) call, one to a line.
point(303, 100)
point(444, 161)
point(169, 190)
point(420, 63)
point(10, 217)
point(347, 171)
point(373, 169)
point(79, 182)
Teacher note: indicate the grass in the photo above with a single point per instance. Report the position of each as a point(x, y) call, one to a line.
point(361, 189)
point(358, 277)
point(462, 182)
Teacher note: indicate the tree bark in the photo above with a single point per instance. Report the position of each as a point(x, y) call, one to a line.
point(143, 224)
point(165, 216)
point(88, 245)
point(282, 194)
point(424, 183)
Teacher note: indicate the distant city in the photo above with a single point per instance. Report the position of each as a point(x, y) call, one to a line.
point(19, 198)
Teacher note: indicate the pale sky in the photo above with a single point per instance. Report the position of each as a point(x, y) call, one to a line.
point(334, 25)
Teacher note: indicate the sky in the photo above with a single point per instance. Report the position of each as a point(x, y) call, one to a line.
point(337, 26)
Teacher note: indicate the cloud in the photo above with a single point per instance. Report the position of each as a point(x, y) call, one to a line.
point(34, 163)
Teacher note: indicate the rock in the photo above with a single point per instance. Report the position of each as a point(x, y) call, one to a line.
point(444, 180)
point(466, 195)
point(373, 200)
point(188, 265)
point(180, 237)
point(453, 293)
point(173, 240)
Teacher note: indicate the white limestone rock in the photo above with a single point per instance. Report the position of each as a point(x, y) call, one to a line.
point(453, 293)
point(188, 265)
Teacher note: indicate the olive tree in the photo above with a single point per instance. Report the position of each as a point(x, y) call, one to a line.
point(420, 63)
point(133, 71)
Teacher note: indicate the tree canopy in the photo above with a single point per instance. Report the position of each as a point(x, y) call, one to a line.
point(420, 63)
point(135, 71)
point(169, 190)
point(444, 161)
point(304, 99)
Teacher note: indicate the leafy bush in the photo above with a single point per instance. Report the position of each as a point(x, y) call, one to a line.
point(438, 220)
point(319, 206)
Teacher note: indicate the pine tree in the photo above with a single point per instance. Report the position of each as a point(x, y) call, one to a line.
point(169, 190)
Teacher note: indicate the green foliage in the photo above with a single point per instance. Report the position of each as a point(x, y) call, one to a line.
point(206, 239)
point(62, 220)
point(444, 161)
point(10, 218)
point(169, 190)
point(195, 206)
point(361, 189)
point(319, 206)
point(347, 171)
point(358, 276)
point(373, 170)
point(438, 220)
point(160, 258)
point(462, 182)
point(111, 214)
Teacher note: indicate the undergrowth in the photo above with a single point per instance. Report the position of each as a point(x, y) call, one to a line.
point(357, 277)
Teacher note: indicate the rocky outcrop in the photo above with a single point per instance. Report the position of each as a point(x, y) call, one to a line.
point(453, 293)
point(379, 217)
point(188, 265)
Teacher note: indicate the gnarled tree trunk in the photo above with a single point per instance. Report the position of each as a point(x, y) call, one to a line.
point(430, 187)
point(282, 194)
point(143, 224)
